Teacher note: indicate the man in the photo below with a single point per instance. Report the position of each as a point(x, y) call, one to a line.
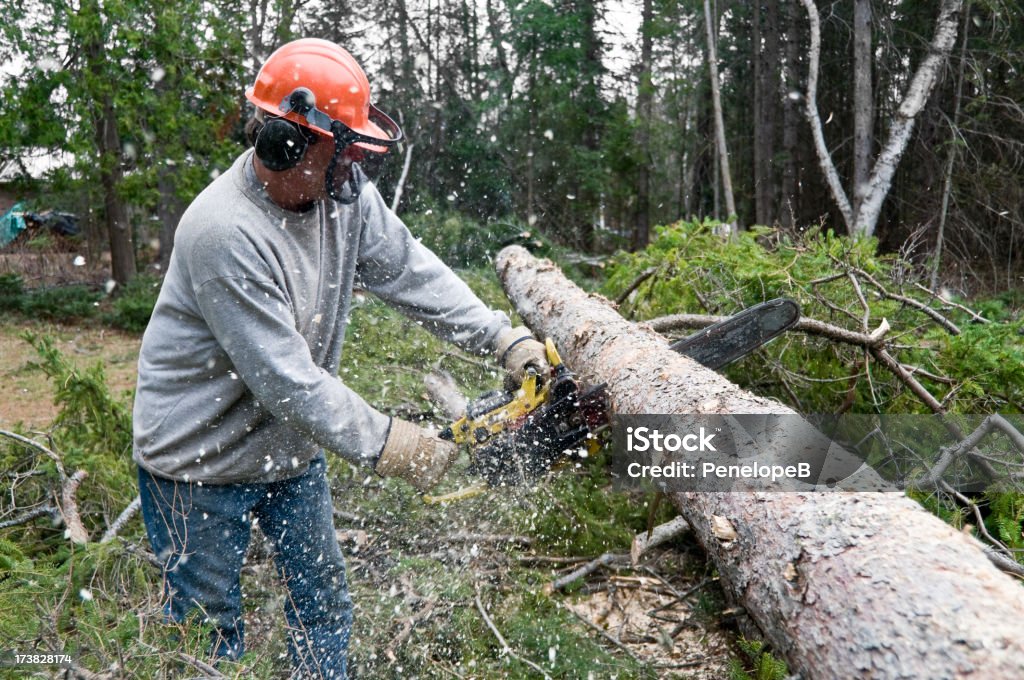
point(238, 394)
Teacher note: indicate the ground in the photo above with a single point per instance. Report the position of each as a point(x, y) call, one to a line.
point(25, 394)
point(423, 576)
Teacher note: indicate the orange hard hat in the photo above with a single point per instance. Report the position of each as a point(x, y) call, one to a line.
point(338, 85)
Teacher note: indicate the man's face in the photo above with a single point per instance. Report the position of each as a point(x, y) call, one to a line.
point(306, 181)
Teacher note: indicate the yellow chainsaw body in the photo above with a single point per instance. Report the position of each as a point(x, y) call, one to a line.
point(476, 429)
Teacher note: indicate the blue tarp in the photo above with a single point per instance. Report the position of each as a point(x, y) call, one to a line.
point(11, 224)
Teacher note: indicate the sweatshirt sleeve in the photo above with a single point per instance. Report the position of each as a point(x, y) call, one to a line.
point(403, 272)
point(252, 320)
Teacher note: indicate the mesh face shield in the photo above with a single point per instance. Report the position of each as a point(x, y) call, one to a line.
point(358, 157)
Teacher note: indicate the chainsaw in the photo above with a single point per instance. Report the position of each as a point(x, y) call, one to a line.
point(515, 437)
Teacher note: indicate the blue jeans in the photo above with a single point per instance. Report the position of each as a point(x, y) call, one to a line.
point(201, 533)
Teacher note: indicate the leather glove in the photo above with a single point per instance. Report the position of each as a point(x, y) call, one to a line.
point(416, 455)
point(517, 349)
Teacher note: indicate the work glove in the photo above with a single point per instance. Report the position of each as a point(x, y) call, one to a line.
point(517, 351)
point(415, 454)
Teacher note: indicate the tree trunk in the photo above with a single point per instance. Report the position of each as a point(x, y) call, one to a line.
point(716, 100)
point(766, 91)
point(863, 101)
point(851, 585)
point(169, 211)
point(947, 182)
point(788, 201)
point(108, 152)
point(828, 168)
point(119, 230)
point(644, 101)
point(862, 219)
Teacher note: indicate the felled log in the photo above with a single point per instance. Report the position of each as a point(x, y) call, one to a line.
point(852, 585)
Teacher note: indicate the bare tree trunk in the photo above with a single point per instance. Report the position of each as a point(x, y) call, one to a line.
point(169, 211)
point(766, 92)
point(914, 100)
point(850, 585)
point(947, 182)
point(716, 99)
point(644, 101)
point(863, 101)
point(790, 122)
point(108, 151)
point(759, 87)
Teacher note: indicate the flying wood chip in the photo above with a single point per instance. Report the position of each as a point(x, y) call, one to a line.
point(723, 528)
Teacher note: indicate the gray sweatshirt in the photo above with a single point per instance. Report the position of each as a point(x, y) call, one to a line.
point(238, 368)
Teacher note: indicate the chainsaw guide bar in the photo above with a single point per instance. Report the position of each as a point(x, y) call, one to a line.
point(517, 437)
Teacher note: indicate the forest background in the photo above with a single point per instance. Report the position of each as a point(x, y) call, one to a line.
point(587, 131)
point(587, 121)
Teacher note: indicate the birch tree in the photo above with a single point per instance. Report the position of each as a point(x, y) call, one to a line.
point(861, 215)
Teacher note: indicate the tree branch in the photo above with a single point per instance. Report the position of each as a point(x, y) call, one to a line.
point(505, 648)
point(121, 520)
point(586, 569)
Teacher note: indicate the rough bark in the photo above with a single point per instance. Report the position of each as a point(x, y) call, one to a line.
point(766, 62)
point(852, 585)
point(108, 154)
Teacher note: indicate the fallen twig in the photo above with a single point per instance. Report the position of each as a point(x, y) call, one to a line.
point(1003, 562)
point(588, 568)
point(643, 542)
point(69, 508)
point(30, 515)
point(644, 275)
point(910, 302)
point(115, 527)
point(69, 486)
point(143, 553)
point(951, 453)
point(210, 671)
point(683, 595)
point(501, 640)
point(804, 325)
point(488, 538)
point(551, 559)
point(974, 315)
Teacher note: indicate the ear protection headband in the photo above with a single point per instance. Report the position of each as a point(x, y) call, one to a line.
point(280, 143)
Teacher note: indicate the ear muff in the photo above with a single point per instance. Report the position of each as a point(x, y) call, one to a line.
point(281, 144)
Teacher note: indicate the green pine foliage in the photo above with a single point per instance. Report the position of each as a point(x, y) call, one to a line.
point(761, 664)
point(974, 373)
point(133, 307)
point(695, 271)
point(59, 303)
